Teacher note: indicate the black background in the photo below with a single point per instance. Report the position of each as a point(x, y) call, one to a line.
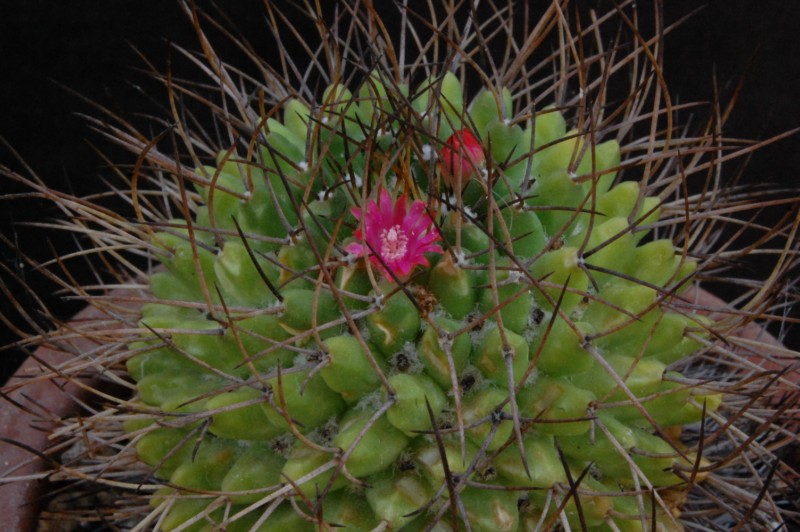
point(87, 46)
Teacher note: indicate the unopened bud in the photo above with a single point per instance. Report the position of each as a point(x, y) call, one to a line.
point(460, 158)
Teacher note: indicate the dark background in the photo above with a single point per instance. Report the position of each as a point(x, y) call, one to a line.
point(87, 46)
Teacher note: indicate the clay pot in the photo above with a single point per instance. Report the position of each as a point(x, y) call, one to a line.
point(32, 403)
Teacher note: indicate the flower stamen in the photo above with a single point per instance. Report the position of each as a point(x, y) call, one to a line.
point(394, 242)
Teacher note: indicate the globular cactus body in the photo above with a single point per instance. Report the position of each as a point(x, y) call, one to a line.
point(364, 335)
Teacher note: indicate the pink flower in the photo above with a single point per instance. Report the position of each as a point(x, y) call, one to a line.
point(395, 238)
point(460, 158)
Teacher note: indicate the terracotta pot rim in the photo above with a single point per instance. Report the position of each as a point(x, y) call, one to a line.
point(29, 416)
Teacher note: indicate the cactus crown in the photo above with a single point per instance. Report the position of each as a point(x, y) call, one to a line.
point(434, 296)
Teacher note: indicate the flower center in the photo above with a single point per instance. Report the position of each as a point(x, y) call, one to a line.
point(394, 242)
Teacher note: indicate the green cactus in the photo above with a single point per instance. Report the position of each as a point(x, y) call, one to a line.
point(421, 302)
point(395, 346)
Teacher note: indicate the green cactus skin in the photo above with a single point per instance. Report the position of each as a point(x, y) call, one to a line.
point(533, 350)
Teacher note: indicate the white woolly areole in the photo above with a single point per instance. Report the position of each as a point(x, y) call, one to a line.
point(514, 276)
point(532, 377)
point(355, 179)
point(282, 444)
point(370, 402)
point(349, 258)
point(427, 152)
point(460, 258)
point(323, 434)
point(409, 351)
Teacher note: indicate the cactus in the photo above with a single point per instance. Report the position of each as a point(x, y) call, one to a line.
point(362, 371)
point(412, 304)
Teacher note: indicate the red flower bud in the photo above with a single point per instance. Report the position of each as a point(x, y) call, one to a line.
point(460, 159)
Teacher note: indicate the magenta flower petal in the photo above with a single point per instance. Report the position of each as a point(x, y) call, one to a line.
point(393, 235)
